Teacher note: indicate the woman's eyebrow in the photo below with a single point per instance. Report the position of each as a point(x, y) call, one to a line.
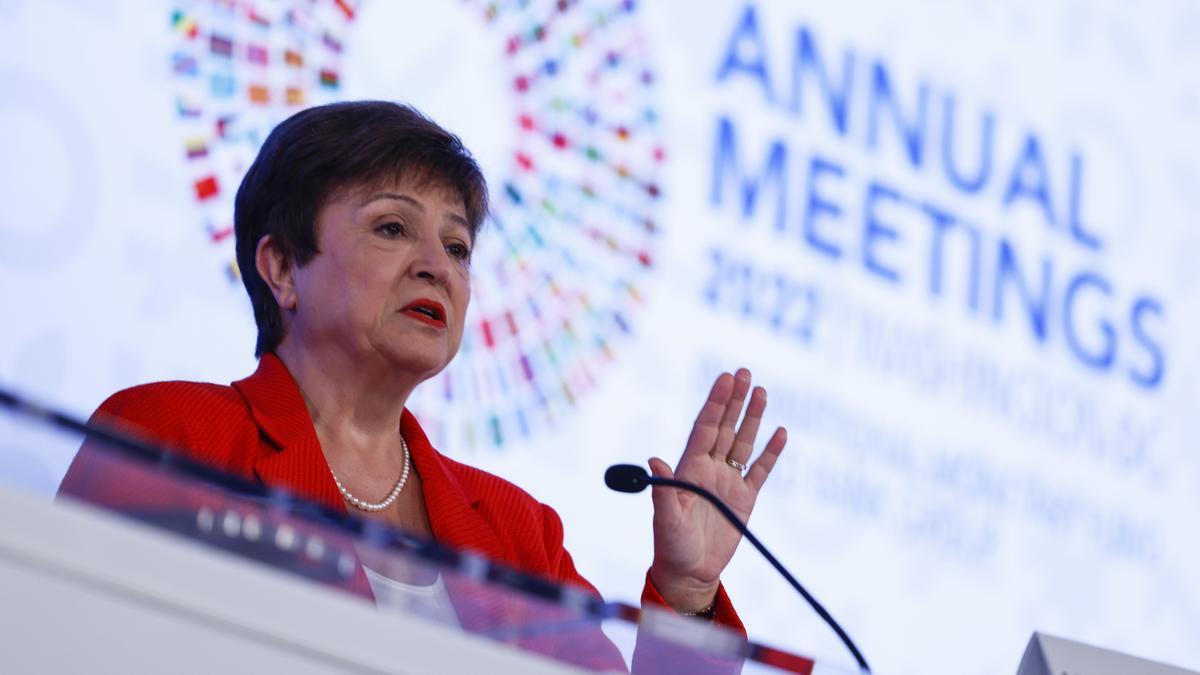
point(396, 196)
point(414, 203)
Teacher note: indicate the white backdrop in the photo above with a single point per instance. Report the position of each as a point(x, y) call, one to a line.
point(954, 239)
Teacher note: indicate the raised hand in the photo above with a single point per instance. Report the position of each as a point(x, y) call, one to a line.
point(692, 541)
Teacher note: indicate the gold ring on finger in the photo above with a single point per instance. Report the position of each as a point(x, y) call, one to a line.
point(735, 464)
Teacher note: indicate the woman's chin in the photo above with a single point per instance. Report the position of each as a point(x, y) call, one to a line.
point(418, 363)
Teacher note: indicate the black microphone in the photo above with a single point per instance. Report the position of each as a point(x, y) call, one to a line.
point(626, 478)
point(633, 478)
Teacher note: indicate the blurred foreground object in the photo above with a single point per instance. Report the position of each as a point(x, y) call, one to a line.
point(1049, 655)
point(182, 568)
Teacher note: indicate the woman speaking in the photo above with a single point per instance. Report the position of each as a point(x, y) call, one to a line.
point(355, 228)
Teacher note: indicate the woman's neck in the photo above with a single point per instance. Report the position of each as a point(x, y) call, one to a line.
point(354, 406)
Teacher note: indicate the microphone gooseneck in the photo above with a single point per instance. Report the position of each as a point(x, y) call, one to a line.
point(633, 478)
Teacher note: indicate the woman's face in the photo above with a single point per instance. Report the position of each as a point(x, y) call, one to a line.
point(390, 279)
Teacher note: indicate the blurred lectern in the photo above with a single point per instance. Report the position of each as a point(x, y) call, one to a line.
point(171, 571)
point(88, 594)
point(1049, 655)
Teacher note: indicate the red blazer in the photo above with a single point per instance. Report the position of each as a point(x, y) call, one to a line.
point(259, 428)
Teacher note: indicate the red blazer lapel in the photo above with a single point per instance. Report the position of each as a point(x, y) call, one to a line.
point(292, 459)
point(453, 514)
point(453, 506)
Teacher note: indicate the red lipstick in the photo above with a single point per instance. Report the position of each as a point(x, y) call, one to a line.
point(427, 311)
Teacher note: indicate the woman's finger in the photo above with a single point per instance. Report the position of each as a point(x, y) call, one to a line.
point(761, 468)
point(704, 431)
point(743, 443)
point(663, 498)
point(733, 410)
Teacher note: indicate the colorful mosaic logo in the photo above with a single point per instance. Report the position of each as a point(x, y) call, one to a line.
point(558, 272)
point(240, 68)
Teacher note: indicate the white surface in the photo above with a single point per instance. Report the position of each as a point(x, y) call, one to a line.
point(84, 592)
point(1049, 655)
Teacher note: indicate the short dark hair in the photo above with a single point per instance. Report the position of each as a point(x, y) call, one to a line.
point(319, 151)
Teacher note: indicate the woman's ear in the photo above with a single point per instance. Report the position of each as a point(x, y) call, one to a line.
point(276, 268)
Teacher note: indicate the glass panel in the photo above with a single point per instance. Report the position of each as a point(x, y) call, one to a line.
point(399, 572)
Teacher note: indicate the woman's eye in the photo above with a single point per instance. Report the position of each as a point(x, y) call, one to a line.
point(392, 229)
point(459, 251)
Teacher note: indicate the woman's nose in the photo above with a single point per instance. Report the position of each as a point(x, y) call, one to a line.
point(432, 262)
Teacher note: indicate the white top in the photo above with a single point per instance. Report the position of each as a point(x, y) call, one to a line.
point(426, 601)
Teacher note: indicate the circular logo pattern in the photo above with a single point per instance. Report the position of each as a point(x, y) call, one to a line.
point(556, 277)
point(241, 68)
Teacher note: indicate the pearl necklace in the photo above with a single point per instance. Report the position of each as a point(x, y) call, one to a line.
point(363, 505)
